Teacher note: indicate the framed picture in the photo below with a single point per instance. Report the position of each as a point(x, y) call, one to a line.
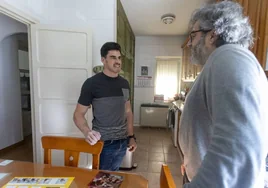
point(144, 71)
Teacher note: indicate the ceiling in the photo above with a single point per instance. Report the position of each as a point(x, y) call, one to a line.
point(145, 15)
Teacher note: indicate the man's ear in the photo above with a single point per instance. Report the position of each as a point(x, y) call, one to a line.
point(212, 37)
point(103, 60)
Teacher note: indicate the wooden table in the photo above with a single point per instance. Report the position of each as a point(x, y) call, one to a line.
point(81, 176)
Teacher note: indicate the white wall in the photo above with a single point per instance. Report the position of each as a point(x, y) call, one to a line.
point(99, 15)
point(10, 101)
point(34, 8)
point(146, 49)
point(10, 27)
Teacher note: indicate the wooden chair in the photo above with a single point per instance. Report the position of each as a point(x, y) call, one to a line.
point(166, 179)
point(72, 147)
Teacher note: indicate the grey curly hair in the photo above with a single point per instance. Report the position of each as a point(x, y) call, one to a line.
point(228, 21)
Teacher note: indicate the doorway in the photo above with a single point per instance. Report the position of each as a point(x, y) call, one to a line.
point(58, 67)
point(15, 99)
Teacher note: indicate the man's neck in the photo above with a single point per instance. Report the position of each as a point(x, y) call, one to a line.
point(110, 74)
point(211, 49)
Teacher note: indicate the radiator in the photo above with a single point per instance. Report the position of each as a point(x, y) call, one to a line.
point(153, 115)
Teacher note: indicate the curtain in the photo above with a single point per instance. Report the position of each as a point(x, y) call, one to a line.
point(167, 76)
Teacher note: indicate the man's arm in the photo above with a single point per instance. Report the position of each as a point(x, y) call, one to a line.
point(129, 114)
point(80, 121)
point(79, 118)
point(84, 103)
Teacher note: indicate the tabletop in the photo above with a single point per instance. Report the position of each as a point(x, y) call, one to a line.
point(82, 176)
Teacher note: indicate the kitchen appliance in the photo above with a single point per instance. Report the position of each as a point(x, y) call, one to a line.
point(153, 114)
point(174, 125)
point(127, 163)
point(171, 117)
point(177, 107)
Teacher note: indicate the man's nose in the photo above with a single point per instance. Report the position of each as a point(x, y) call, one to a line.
point(189, 43)
point(117, 60)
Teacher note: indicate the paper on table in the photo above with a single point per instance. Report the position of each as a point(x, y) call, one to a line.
point(5, 162)
point(40, 182)
point(2, 175)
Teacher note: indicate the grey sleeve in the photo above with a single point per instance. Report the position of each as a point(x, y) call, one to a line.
point(236, 102)
point(126, 91)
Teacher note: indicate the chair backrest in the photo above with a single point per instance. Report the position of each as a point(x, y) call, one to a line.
point(166, 179)
point(72, 147)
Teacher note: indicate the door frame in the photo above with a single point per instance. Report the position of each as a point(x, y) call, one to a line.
point(28, 20)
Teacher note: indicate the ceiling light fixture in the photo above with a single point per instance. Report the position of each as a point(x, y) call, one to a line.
point(168, 18)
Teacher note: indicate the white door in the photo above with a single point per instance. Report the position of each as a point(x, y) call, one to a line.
point(61, 62)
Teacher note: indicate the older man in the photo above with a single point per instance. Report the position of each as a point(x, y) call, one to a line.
point(224, 124)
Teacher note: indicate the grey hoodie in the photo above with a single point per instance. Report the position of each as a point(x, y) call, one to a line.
point(224, 124)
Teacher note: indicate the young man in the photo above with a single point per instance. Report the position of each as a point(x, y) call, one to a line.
point(224, 124)
point(108, 94)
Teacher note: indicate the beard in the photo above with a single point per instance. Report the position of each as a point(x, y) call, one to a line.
point(199, 53)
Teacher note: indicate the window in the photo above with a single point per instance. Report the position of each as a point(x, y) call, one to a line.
point(167, 78)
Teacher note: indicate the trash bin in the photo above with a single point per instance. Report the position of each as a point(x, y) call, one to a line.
point(127, 163)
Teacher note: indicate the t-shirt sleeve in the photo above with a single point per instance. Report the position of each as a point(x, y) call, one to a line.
point(128, 87)
point(126, 90)
point(86, 96)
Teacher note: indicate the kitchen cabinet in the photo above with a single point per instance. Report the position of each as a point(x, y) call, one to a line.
point(189, 70)
point(126, 39)
point(121, 27)
point(125, 35)
point(257, 11)
point(262, 33)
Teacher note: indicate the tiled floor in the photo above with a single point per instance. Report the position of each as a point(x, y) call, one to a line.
point(154, 149)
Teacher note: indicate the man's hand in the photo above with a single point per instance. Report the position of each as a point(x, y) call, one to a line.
point(92, 137)
point(132, 145)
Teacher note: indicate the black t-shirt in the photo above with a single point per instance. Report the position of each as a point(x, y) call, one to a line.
point(108, 96)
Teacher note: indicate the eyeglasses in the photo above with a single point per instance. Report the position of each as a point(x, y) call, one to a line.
point(200, 30)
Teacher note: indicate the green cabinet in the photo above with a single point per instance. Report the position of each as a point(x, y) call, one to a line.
point(121, 26)
point(126, 39)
